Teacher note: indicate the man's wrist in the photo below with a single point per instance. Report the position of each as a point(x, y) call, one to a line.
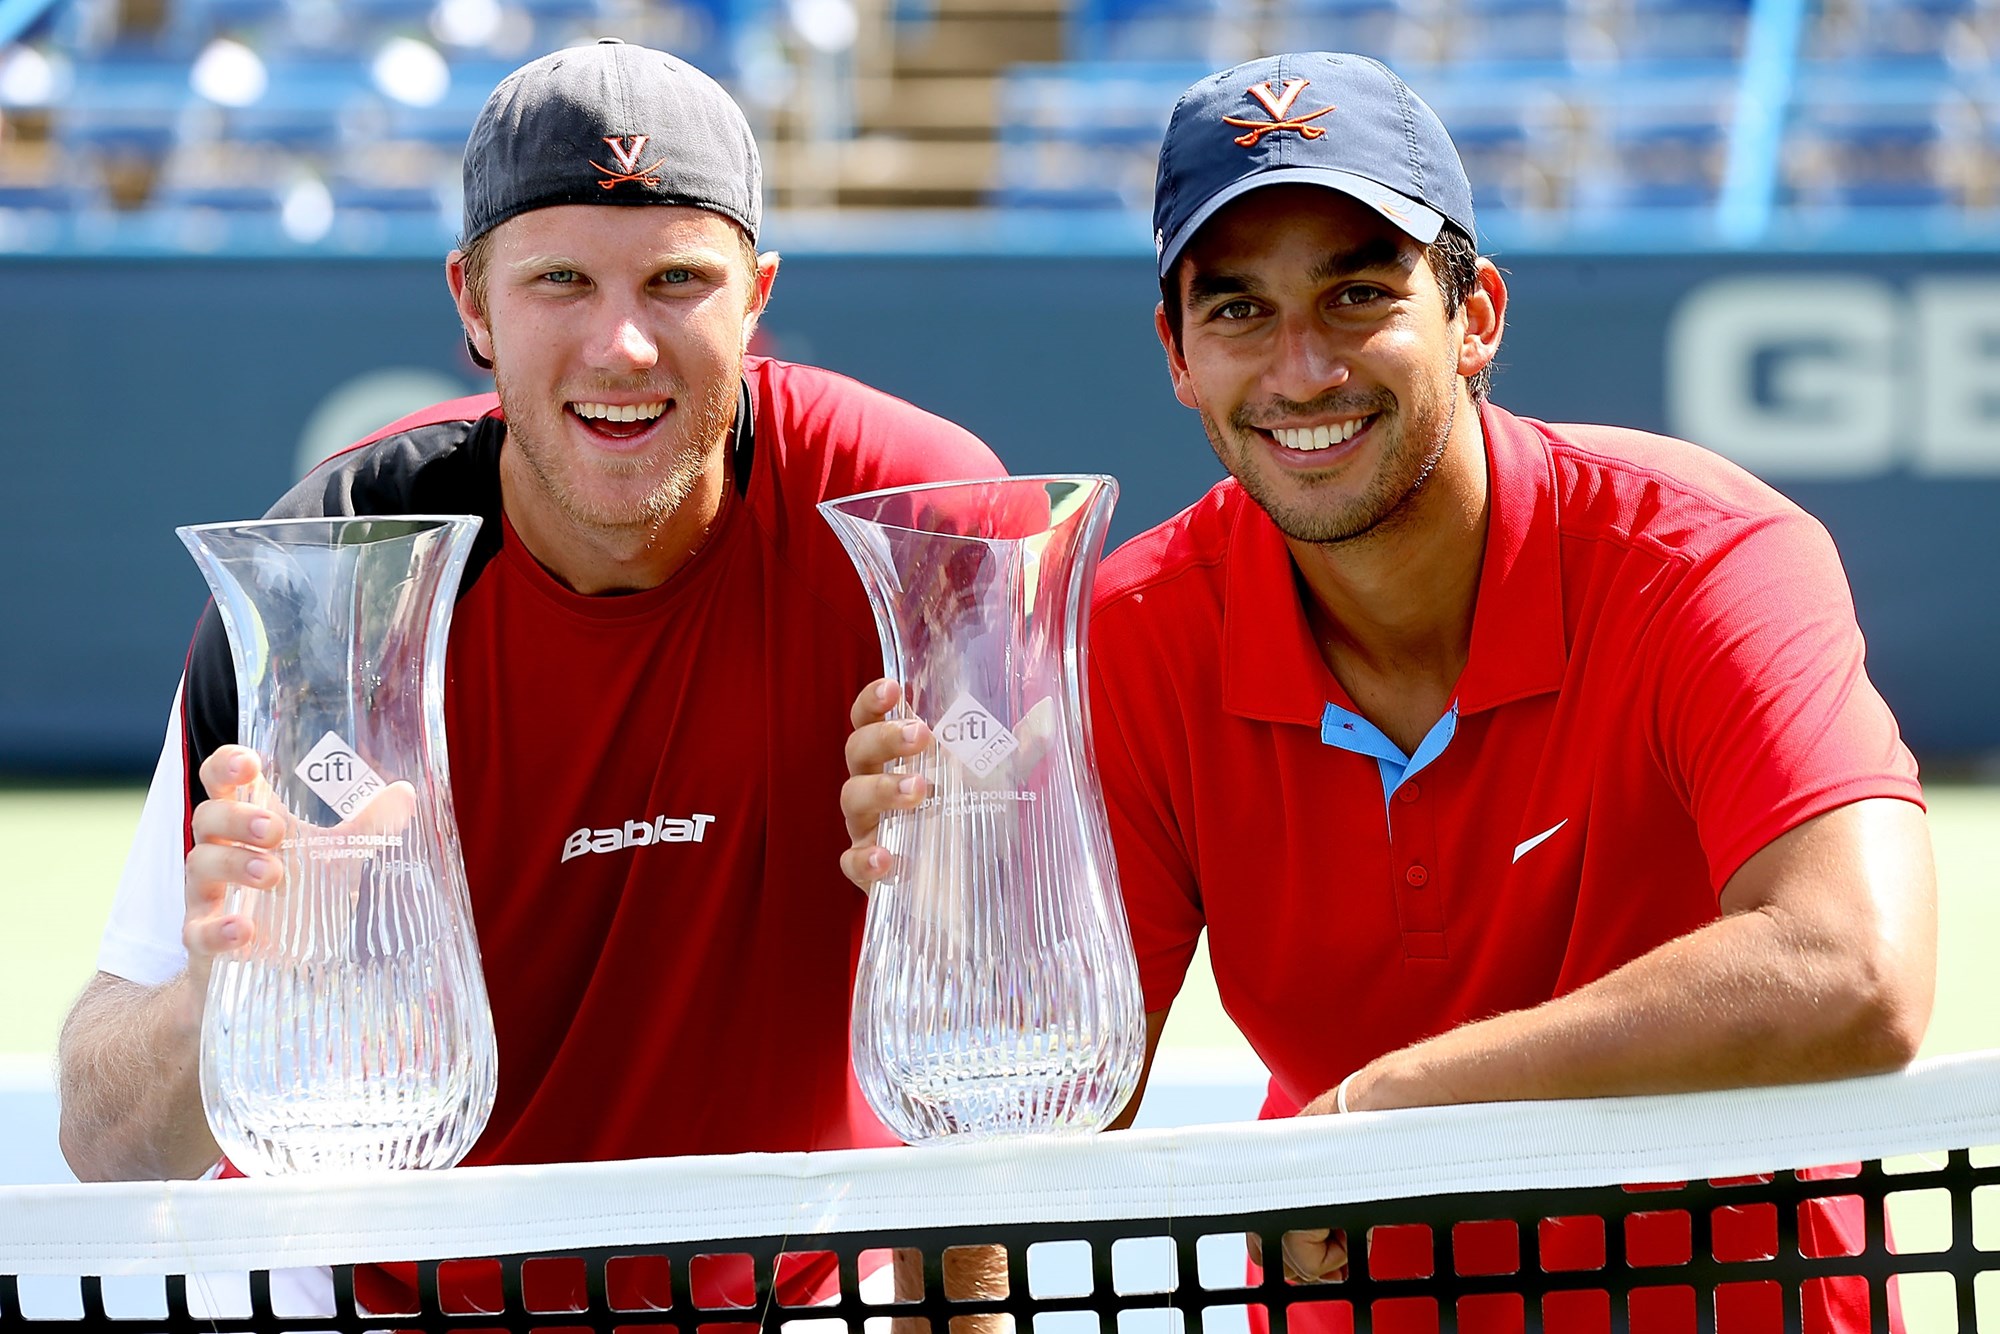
point(1377, 1086)
point(188, 999)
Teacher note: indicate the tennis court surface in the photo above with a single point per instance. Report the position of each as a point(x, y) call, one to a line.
point(1697, 1212)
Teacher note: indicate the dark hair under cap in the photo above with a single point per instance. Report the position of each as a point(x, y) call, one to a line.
point(610, 123)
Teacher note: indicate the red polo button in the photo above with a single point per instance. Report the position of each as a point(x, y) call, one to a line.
point(1408, 792)
point(1417, 875)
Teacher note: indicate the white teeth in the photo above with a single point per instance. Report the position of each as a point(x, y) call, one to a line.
point(619, 412)
point(1309, 438)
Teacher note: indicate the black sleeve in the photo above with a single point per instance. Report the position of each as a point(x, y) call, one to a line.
point(208, 699)
point(446, 468)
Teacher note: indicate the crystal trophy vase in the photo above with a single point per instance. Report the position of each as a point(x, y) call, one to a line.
point(351, 1031)
point(997, 992)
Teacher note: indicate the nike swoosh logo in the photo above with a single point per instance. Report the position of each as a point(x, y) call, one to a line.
point(1526, 846)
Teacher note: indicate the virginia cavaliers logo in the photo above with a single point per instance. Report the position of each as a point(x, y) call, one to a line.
point(626, 152)
point(1279, 105)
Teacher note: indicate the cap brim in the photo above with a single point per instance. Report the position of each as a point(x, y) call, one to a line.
point(1420, 221)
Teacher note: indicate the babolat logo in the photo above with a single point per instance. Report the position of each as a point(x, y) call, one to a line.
point(637, 834)
point(976, 737)
point(341, 778)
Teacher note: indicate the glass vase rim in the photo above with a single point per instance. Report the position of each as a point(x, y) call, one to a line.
point(424, 522)
point(917, 488)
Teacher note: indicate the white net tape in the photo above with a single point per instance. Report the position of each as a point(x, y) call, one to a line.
point(183, 1227)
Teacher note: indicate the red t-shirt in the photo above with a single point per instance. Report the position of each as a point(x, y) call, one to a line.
point(690, 996)
point(1665, 675)
point(647, 786)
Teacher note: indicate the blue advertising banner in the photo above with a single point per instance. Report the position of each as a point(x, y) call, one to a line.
point(145, 394)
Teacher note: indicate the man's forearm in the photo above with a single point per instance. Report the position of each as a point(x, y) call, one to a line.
point(1822, 965)
point(130, 1083)
point(1741, 1001)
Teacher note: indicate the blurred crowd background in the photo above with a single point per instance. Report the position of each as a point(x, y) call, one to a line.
point(1769, 226)
point(207, 125)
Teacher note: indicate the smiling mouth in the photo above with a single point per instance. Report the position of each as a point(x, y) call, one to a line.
point(619, 421)
point(1312, 439)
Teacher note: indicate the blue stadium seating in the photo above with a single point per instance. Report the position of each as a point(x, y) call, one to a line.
point(1537, 37)
point(1661, 146)
point(1400, 32)
point(1586, 110)
point(1210, 33)
point(1660, 33)
point(404, 178)
point(1594, 110)
point(1518, 144)
point(191, 24)
point(1671, 164)
point(72, 191)
point(1919, 35)
point(1870, 153)
point(562, 10)
point(125, 94)
point(350, 194)
point(219, 196)
point(1085, 135)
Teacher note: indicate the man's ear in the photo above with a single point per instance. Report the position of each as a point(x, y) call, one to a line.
point(1177, 369)
point(478, 334)
point(1485, 316)
point(760, 293)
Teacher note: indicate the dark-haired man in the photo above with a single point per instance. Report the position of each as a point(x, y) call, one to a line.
point(1499, 760)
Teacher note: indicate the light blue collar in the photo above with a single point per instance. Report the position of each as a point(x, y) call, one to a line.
point(1350, 731)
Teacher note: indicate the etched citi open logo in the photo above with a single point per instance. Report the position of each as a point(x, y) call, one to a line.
point(341, 778)
point(975, 737)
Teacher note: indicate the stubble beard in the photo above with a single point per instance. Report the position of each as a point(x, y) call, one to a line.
point(1410, 454)
point(691, 446)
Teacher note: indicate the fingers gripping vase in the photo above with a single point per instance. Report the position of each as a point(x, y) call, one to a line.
point(352, 1030)
point(997, 992)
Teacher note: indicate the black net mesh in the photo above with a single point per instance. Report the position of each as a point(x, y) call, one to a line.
point(1903, 1243)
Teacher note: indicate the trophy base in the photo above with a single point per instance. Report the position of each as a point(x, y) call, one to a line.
point(349, 1134)
point(993, 1098)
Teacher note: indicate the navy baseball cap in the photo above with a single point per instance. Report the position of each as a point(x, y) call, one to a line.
point(610, 123)
point(1316, 118)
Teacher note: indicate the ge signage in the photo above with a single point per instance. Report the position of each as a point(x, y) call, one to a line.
point(1839, 375)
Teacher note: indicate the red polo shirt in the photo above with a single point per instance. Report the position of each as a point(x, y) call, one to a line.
point(1665, 674)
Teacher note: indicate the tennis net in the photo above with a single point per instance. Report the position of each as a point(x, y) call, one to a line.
point(1863, 1204)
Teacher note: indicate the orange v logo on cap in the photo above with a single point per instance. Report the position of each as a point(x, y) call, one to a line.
point(1279, 106)
point(625, 152)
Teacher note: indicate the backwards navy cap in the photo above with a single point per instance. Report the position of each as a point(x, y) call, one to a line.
point(1316, 118)
point(609, 123)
